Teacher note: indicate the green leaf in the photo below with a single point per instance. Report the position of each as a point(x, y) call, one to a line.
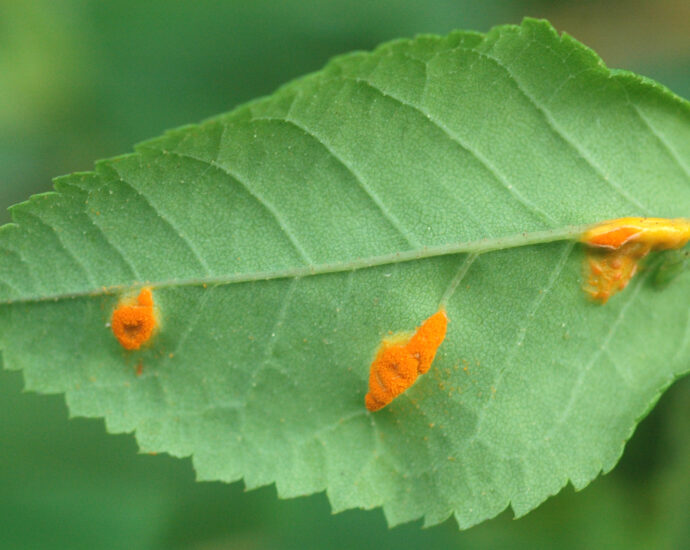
point(283, 240)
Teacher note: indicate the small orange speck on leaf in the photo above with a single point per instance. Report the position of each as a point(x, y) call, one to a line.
point(617, 246)
point(133, 323)
point(400, 361)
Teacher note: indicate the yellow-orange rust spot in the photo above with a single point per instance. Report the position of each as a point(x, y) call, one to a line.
point(133, 323)
point(658, 233)
point(399, 361)
point(611, 271)
point(617, 246)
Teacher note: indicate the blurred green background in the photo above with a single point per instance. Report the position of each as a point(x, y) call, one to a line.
point(86, 79)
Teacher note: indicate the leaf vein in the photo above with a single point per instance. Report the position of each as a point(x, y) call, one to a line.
point(551, 121)
point(390, 218)
point(660, 137)
point(272, 211)
point(522, 332)
point(582, 373)
point(189, 245)
point(480, 246)
point(22, 261)
point(68, 251)
point(478, 156)
point(101, 232)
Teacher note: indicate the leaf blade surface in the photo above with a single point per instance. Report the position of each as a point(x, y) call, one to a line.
point(283, 240)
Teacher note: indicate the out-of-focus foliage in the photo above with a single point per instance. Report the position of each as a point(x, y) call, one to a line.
point(81, 80)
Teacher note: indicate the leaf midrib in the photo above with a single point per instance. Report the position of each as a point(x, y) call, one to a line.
point(480, 246)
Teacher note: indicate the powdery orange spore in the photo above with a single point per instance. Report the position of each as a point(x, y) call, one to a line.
point(658, 233)
point(398, 363)
point(617, 246)
point(133, 324)
point(427, 339)
point(611, 271)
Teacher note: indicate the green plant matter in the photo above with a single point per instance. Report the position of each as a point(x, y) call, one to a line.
point(283, 240)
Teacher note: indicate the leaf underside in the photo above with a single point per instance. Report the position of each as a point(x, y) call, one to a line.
point(283, 240)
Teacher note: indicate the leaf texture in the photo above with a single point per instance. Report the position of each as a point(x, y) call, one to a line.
point(283, 240)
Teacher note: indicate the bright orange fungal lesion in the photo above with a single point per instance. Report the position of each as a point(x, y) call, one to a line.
point(617, 246)
point(399, 361)
point(134, 322)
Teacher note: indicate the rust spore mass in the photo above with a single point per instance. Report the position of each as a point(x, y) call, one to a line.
point(398, 363)
point(617, 246)
point(133, 323)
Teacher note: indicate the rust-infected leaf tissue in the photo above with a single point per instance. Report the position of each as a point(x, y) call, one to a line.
point(133, 322)
point(400, 360)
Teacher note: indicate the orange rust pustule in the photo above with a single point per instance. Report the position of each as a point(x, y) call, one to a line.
point(397, 364)
point(611, 272)
point(617, 246)
point(614, 238)
point(133, 324)
point(427, 339)
point(658, 233)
